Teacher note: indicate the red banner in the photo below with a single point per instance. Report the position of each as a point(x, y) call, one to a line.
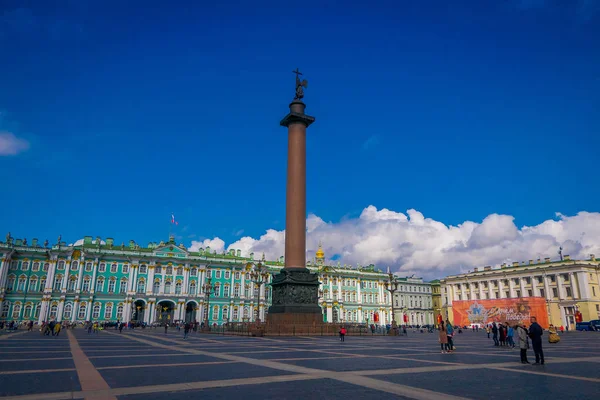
point(511, 311)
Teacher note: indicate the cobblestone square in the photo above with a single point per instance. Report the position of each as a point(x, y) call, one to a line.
point(146, 363)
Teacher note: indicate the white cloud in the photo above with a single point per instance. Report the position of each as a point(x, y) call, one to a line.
point(411, 243)
point(214, 244)
point(11, 145)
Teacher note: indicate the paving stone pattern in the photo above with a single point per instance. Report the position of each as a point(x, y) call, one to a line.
point(147, 364)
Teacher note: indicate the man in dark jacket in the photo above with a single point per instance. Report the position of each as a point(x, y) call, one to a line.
point(535, 333)
point(495, 334)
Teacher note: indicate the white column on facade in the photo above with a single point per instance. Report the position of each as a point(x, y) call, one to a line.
point(88, 311)
point(163, 277)
point(359, 300)
point(329, 314)
point(340, 298)
point(186, 279)
point(501, 289)
point(4, 266)
point(560, 285)
point(75, 311)
point(511, 288)
point(330, 289)
point(93, 282)
point(574, 290)
point(61, 307)
point(131, 277)
point(67, 272)
point(232, 285)
point(150, 281)
point(50, 276)
point(524, 292)
point(547, 288)
point(584, 286)
point(243, 287)
point(199, 314)
point(490, 289)
point(535, 287)
point(178, 312)
point(80, 275)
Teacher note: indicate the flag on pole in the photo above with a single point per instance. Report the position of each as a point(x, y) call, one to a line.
point(173, 219)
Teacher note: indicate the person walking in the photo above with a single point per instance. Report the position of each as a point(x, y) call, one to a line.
point(535, 333)
point(443, 338)
point(166, 327)
point(509, 337)
point(343, 332)
point(495, 334)
point(523, 342)
point(186, 330)
point(449, 335)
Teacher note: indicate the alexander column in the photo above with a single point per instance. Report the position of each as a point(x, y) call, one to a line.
point(295, 288)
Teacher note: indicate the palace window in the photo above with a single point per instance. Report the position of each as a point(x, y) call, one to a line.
point(33, 284)
point(68, 311)
point(74, 266)
point(247, 276)
point(141, 286)
point(235, 314)
point(81, 312)
point(227, 274)
point(179, 271)
point(111, 286)
point(255, 290)
point(123, 286)
point(16, 311)
point(28, 309)
point(237, 276)
point(143, 269)
point(120, 312)
point(5, 309)
point(61, 265)
point(46, 267)
point(247, 291)
point(71, 284)
point(226, 291)
point(246, 312)
point(569, 293)
point(36, 267)
point(57, 282)
point(194, 272)
point(168, 287)
point(21, 284)
point(14, 264)
point(108, 311)
point(42, 283)
point(225, 312)
point(218, 274)
point(215, 313)
point(99, 284)
point(96, 311)
point(325, 280)
point(38, 310)
point(53, 312)
point(178, 288)
point(88, 267)
point(114, 268)
point(169, 270)
point(125, 268)
point(155, 287)
point(217, 290)
point(102, 267)
point(192, 287)
point(86, 284)
point(24, 266)
point(158, 269)
point(10, 283)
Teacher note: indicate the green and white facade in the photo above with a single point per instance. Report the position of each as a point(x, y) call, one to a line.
point(101, 281)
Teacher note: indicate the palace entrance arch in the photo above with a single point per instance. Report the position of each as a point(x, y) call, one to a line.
point(138, 311)
point(190, 311)
point(165, 311)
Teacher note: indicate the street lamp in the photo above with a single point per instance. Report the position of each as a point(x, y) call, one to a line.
point(392, 286)
point(258, 276)
point(207, 288)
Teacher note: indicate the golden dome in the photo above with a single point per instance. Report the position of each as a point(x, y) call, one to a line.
point(320, 253)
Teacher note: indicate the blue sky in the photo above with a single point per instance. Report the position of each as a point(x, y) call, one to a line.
point(456, 109)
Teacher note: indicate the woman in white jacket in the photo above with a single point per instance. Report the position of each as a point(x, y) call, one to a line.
point(523, 342)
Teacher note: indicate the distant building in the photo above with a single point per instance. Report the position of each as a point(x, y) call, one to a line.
point(413, 300)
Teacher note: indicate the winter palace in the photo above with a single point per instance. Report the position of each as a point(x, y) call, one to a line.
point(164, 282)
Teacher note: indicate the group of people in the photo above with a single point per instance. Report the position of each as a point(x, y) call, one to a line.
point(446, 332)
point(503, 335)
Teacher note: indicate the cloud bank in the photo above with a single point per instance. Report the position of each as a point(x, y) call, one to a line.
point(411, 243)
point(11, 145)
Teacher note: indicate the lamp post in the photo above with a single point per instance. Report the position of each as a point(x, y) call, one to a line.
point(258, 276)
point(392, 286)
point(207, 288)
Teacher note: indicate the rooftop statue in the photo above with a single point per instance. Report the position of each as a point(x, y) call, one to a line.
point(299, 85)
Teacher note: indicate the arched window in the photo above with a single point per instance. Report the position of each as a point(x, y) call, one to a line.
point(113, 268)
point(21, 283)
point(123, 286)
point(215, 313)
point(194, 272)
point(247, 291)
point(111, 285)
point(226, 313)
point(68, 311)
point(179, 271)
point(99, 284)
point(16, 311)
point(108, 310)
point(141, 286)
point(88, 267)
point(24, 266)
point(226, 291)
point(96, 311)
point(169, 270)
point(143, 269)
point(38, 309)
point(71, 284)
point(74, 266)
point(193, 287)
point(53, 311)
point(27, 313)
point(102, 267)
point(235, 314)
point(86, 284)
point(36, 267)
point(5, 309)
point(155, 287)
point(46, 267)
point(178, 288)
point(217, 290)
point(10, 282)
point(120, 312)
point(167, 287)
point(236, 290)
point(237, 276)
point(82, 311)
point(61, 265)
point(57, 282)
point(246, 313)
